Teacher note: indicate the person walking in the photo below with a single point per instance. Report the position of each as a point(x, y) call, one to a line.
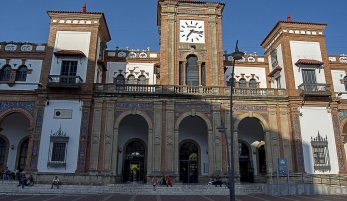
point(154, 183)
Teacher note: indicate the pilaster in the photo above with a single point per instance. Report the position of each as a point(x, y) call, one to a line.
point(287, 151)
point(109, 153)
point(171, 139)
point(95, 138)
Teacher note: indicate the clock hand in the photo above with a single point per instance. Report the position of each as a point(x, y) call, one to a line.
point(191, 31)
point(198, 32)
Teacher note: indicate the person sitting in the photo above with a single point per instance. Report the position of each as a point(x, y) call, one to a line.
point(23, 180)
point(226, 182)
point(163, 180)
point(55, 182)
point(169, 181)
point(30, 181)
point(7, 173)
point(217, 181)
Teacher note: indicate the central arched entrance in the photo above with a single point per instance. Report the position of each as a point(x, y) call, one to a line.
point(189, 162)
point(134, 162)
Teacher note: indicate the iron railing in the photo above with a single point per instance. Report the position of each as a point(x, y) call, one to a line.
point(62, 81)
point(314, 89)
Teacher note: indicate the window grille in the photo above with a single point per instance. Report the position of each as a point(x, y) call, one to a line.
point(21, 74)
point(5, 73)
point(320, 153)
point(345, 82)
point(58, 149)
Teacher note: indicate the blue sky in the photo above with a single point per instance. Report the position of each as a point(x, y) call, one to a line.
point(133, 22)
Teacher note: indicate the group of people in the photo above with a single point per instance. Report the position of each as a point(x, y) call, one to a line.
point(24, 181)
point(219, 182)
point(8, 174)
point(168, 181)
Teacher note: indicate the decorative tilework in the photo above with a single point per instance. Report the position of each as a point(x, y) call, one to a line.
point(81, 156)
point(298, 144)
point(39, 120)
point(265, 116)
point(251, 107)
point(342, 114)
point(118, 113)
point(134, 105)
point(28, 106)
point(34, 154)
point(209, 115)
point(150, 114)
point(84, 127)
point(182, 106)
point(199, 106)
point(338, 136)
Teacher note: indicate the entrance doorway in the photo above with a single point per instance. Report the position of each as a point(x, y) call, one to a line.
point(189, 163)
point(134, 163)
point(262, 159)
point(246, 169)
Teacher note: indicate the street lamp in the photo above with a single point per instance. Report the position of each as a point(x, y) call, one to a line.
point(237, 55)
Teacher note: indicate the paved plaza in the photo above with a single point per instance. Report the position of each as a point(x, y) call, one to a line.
point(112, 197)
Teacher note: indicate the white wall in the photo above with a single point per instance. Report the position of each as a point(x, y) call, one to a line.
point(312, 121)
point(259, 74)
point(114, 67)
point(306, 50)
point(71, 40)
point(338, 75)
point(32, 79)
point(15, 128)
point(281, 64)
point(70, 126)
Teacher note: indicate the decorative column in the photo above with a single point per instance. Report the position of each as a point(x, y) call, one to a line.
point(95, 138)
point(272, 140)
point(109, 152)
point(214, 50)
point(171, 140)
point(171, 49)
point(155, 151)
point(217, 140)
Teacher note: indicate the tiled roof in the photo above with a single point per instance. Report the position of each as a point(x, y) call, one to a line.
point(277, 68)
point(69, 53)
point(194, 2)
point(73, 12)
point(308, 62)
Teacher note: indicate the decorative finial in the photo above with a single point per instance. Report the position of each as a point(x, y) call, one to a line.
point(84, 8)
point(289, 19)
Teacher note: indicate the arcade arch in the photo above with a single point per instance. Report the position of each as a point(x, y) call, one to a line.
point(15, 130)
point(192, 139)
point(252, 158)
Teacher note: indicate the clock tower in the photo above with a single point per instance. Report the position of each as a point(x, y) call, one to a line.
point(191, 52)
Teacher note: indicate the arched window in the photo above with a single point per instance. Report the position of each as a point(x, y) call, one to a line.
point(120, 81)
point(242, 83)
point(131, 79)
point(345, 82)
point(5, 73)
point(192, 72)
point(142, 81)
point(21, 73)
point(231, 81)
point(252, 83)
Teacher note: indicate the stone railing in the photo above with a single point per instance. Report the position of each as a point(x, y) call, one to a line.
point(187, 90)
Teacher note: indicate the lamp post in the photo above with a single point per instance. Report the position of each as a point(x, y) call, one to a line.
point(237, 55)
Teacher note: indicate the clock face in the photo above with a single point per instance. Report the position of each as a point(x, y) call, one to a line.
point(192, 31)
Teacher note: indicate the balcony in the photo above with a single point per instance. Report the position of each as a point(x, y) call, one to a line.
point(212, 91)
point(64, 82)
point(314, 89)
